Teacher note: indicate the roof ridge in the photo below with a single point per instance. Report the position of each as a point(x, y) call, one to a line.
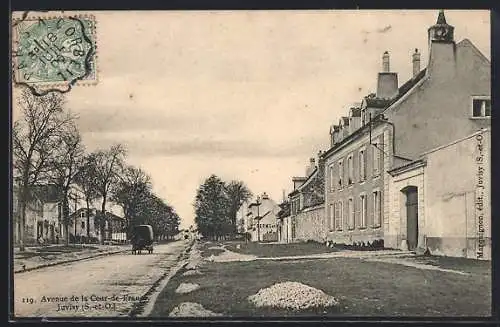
point(466, 41)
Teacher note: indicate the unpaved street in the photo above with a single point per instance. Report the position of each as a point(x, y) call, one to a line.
point(106, 286)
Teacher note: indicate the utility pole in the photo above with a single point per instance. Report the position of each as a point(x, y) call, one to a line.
point(257, 202)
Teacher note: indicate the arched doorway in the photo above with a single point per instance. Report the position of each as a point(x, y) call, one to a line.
point(411, 204)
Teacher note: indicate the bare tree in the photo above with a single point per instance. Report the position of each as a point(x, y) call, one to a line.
point(86, 179)
point(35, 138)
point(65, 165)
point(131, 192)
point(108, 165)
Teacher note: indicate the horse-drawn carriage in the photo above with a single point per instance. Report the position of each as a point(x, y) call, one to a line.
point(142, 239)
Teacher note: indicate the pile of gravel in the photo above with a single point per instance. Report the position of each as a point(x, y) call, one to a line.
point(192, 272)
point(195, 259)
point(190, 309)
point(186, 288)
point(292, 296)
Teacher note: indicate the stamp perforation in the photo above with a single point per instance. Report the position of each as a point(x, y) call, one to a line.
point(49, 85)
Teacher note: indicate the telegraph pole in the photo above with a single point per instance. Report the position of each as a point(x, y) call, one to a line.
point(258, 218)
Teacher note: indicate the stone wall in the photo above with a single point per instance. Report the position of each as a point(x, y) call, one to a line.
point(310, 224)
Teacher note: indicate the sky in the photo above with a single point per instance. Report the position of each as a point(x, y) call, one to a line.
point(246, 95)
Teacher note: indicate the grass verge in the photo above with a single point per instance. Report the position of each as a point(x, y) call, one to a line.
point(279, 250)
point(362, 288)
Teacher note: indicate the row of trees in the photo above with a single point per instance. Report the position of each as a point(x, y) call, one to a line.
point(216, 206)
point(47, 148)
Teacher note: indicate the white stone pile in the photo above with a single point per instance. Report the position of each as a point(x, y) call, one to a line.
point(195, 259)
point(192, 272)
point(190, 309)
point(186, 288)
point(292, 296)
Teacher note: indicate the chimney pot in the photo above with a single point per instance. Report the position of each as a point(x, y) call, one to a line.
point(416, 62)
point(385, 62)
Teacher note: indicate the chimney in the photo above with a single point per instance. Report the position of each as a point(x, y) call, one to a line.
point(416, 62)
point(385, 62)
point(284, 196)
point(310, 168)
point(442, 49)
point(387, 83)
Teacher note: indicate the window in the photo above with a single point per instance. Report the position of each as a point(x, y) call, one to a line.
point(376, 158)
point(362, 213)
point(350, 211)
point(83, 225)
point(350, 170)
point(331, 223)
point(332, 183)
point(341, 173)
point(481, 107)
point(82, 214)
point(377, 212)
point(362, 165)
point(338, 216)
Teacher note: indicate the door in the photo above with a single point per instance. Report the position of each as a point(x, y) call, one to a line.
point(411, 217)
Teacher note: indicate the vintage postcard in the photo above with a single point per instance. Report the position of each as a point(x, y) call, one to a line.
point(321, 163)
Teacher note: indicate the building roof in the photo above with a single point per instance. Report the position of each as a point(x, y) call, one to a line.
point(356, 112)
point(109, 215)
point(307, 180)
point(261, 217)
point(285, 210)
point(407, 167)
point(403, 89)
point(349, 138)
point(441, 20)
point(374, 102)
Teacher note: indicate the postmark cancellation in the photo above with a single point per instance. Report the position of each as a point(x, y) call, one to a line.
point(54, 52)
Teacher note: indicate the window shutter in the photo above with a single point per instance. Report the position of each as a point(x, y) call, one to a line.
point(357, 213)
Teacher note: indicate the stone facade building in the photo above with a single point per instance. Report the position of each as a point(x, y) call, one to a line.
point(396, 132)
point(43, 215)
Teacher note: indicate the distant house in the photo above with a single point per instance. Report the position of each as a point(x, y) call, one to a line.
point(262, 219)
point(89, 230)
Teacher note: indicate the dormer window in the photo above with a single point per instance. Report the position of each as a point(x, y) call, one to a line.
point(481, 107)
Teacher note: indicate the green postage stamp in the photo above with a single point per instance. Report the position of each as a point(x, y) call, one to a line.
point(54, 53)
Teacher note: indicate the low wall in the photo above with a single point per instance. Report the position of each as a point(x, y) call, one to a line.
point(310, 225)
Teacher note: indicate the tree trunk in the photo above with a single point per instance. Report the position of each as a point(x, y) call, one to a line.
point(65, 210)
point(102, 222)
point(23, 201)
point(87, 202)
point(22, 219)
